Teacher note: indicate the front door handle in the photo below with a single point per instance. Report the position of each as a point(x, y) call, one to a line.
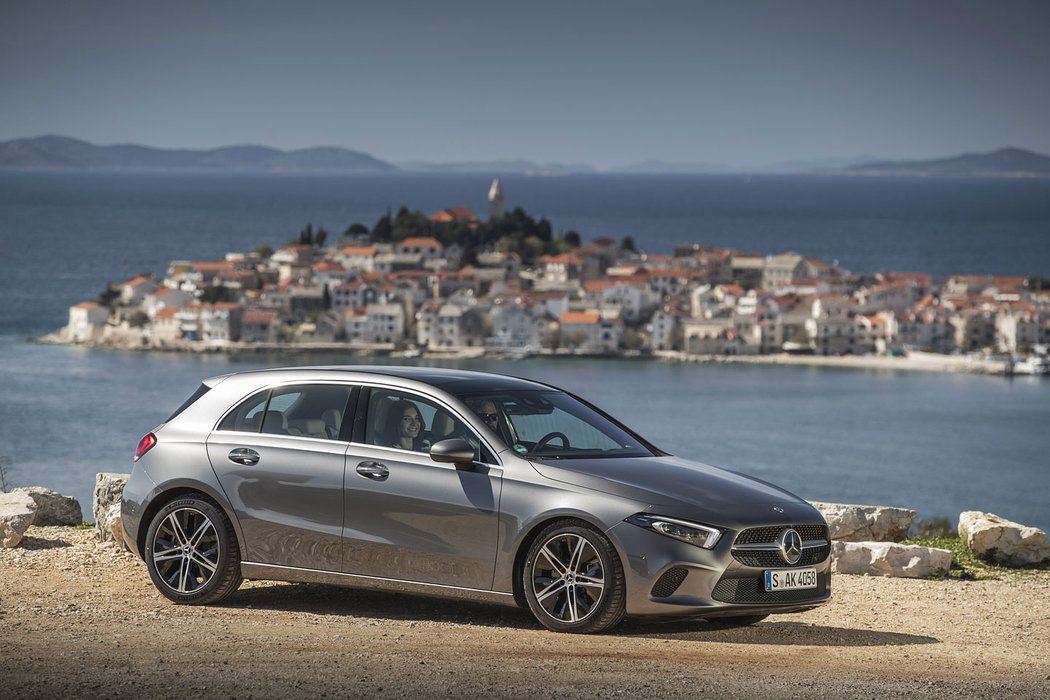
point(244, 455)
point(373, 470)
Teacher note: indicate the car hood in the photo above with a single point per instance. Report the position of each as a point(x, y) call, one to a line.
point(679, 488)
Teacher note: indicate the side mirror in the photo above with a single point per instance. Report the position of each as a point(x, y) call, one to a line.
point(453, 451)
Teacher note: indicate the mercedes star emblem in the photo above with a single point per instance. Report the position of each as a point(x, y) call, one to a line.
point(790, 546)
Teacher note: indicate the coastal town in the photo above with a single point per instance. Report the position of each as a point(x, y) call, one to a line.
point(450, 283)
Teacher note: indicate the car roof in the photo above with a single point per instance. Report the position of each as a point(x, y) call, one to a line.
point(458, 381)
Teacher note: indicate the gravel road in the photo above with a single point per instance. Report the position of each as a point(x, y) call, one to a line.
point(80, 619)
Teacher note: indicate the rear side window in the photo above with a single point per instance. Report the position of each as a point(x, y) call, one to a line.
point(201, 391)
point(315, 411)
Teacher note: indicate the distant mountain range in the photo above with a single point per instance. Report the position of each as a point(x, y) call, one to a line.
point(1006, 162)
point(517, 166)
point(60, 152)
point(53, 152)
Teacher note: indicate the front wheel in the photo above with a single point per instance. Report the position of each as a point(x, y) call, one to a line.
point(192, 553)
point(573, 579)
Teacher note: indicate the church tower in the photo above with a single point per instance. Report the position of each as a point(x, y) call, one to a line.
point(497, 208)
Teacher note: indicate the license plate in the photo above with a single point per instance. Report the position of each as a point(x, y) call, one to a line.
point(791, 579)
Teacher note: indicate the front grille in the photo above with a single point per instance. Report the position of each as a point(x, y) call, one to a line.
point(769, 534)
point(751, 590)
point(773, 560)
point(667, 584)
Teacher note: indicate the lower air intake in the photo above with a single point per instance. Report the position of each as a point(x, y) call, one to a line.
point(667, 584)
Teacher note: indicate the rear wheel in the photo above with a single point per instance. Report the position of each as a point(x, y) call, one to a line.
point(573, 579)
point(191, 552)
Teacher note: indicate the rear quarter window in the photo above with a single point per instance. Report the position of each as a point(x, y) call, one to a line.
point(201, 391)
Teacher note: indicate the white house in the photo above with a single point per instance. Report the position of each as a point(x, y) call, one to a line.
point(86, 321)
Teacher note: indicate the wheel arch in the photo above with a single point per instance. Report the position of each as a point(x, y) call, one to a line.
point(170, 492)
point(534, 530)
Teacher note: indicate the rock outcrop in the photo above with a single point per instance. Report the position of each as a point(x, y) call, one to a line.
point(1000, 541)
point(857, 523)
point(17, 511)
point(109, 490)
point(52, 507)
point(889, 559)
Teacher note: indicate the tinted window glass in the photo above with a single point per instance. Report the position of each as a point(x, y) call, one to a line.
point(201, 391)
point(410, 422)
point(248, 416)
point(553, 425)
point(315, 411)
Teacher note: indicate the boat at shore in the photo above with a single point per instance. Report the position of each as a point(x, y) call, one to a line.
point(1031, 365)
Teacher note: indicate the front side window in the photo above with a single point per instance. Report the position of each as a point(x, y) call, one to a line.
point(315, 411)
point(408, 421)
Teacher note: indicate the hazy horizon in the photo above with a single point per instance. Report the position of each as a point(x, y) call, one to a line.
point(748, 84)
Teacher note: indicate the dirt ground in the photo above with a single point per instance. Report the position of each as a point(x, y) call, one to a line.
point(80, 619)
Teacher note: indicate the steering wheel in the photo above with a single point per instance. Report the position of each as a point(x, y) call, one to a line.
point(551, 436)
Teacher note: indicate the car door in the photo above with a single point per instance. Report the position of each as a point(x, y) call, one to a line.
point(408, 517)
point(280, 462)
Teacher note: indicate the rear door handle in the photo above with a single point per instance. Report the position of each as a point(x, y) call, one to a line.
point(373, 470)
point(244, 455)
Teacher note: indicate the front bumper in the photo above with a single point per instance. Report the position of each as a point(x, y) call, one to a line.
point(714, 584)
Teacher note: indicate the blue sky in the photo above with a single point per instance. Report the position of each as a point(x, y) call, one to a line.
point(740, 83)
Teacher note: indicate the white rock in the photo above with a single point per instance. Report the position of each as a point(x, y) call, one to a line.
point(1000, 541)
point(17, 511)
point(889, 559)
point(110, 527)
point(857, 523)
point(52, 507)
point(109, 490)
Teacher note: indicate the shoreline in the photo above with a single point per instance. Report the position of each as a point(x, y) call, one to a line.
point(913, 362)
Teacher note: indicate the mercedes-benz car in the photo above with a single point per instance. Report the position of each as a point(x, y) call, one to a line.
point(459, 484)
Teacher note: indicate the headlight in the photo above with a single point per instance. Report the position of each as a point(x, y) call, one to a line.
point(693, 533)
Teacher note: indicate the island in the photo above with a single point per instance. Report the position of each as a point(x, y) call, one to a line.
point(453, 284)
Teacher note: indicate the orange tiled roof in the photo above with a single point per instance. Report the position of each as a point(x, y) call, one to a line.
point(211, 266)
point(563, 259)
point(166, 313)
point(451, 214)
point(258, 317)
point(420, 242)
point(86, 305)
point(580, 317)
point(366, 251)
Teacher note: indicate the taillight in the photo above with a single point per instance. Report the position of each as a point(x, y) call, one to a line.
point(148, 441)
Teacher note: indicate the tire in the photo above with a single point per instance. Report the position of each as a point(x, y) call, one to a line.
point(191, 552)
point(738, 620)
point(573, 579)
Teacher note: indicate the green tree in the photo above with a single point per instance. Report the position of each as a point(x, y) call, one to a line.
point(109, 297)
point(383, 231)
point(320, 237)
point(356, 231)
point(264, 252)
point(138, 319)
point(627, 244)
point(572, 239)
point(216, 293)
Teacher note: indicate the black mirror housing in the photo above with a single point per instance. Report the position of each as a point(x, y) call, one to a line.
point(453, 451)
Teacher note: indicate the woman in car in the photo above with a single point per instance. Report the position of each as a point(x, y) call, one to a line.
point(409, 429)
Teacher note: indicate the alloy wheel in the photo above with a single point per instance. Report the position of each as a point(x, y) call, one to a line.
point(186, 550)
point(568, 579)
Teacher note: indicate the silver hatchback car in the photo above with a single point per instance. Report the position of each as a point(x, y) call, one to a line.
point(458, 484)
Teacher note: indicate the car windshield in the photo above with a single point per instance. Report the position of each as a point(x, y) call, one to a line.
point(547, 425)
